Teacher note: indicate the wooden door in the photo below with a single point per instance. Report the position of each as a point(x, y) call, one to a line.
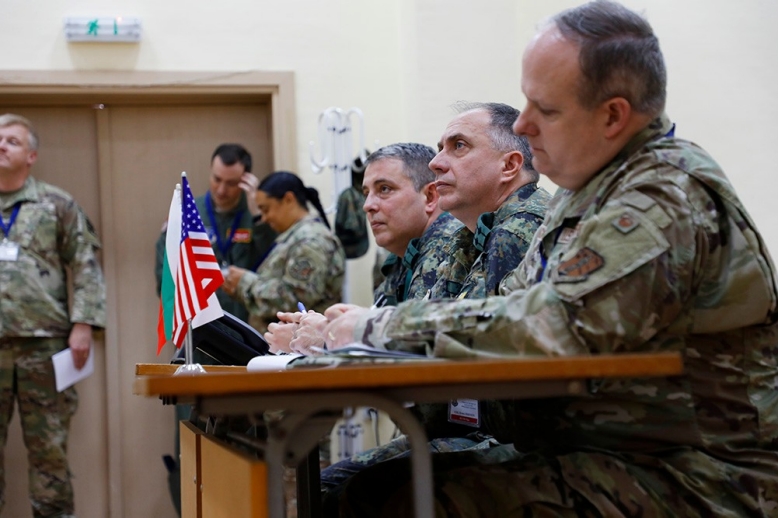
point(121, 160)
point(148, 148)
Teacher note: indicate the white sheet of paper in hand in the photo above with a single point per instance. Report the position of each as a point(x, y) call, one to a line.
point(65, 371)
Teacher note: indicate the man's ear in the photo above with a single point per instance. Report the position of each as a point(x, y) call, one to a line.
point(431, 196)
point(618, 113)
point(31, 158)
point(512, 162)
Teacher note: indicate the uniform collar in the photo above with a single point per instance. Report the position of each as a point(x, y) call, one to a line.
point(289, 232)
point(578, 202)
point(487, 220)
point(28, 192)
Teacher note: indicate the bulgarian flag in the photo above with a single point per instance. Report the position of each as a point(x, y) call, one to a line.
point(169, 268)
point(190, 272)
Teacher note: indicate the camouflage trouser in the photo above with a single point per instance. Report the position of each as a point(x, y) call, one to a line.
point(27, 376)
point(477, 484)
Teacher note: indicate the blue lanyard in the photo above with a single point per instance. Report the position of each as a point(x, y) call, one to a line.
point(543, 258)
point(7, 228)
point(223, 247)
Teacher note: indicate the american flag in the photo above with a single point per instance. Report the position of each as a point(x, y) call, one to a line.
point(198, 276)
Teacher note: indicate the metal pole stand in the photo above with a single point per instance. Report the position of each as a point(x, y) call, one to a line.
point(189, 368)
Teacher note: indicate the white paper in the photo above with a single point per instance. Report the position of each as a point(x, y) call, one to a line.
point(65, 371)
point(271, 362)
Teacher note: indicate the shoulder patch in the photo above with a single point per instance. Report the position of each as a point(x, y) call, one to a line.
point(301, 269)
point(578, 267)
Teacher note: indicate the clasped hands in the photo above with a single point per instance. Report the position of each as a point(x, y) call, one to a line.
point(310, 333)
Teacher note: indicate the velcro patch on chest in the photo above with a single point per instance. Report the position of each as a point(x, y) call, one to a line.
point(242, 235)
point(566, 235)
point(578, 267)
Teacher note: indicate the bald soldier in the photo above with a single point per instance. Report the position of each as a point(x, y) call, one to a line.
point(646, 249)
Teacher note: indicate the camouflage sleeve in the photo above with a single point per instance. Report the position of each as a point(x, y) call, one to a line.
point(304, 279)
point(78, 249)
point(527, 322)
point(636, 289)
point(506, 250)
point(453, 271)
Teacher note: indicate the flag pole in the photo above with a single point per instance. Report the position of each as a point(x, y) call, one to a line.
point(189, 367)
point(197, 277)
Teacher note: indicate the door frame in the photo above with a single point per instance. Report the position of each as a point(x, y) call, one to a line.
point(148, 87)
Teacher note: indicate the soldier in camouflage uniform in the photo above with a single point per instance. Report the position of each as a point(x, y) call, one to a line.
point(487, 181)
point(229, 212)
point(413, 276)
point(45, 232)
point(478, 150)
point(306, 263)
point(501, 212)
point(647, 248)
point(401, 204)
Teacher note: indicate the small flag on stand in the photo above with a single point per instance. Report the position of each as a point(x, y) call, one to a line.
point(191, 273)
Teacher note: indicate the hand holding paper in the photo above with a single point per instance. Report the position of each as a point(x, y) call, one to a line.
point(65, 371)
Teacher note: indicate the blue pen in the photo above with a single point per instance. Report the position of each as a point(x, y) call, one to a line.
point(301, 307)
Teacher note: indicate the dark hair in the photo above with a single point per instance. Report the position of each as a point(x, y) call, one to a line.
point(233, 153)
point(501, 131)
point(416, 160)
point(619, 56)
point(277, 184)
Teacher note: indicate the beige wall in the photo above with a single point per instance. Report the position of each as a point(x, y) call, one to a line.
point(403, 62)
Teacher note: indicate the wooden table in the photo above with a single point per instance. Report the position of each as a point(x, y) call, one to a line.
point(305, 392)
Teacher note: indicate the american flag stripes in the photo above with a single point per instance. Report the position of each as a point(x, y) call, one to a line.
point(198, 274)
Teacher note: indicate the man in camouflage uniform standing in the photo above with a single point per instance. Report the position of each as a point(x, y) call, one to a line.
point(647, 248)
point(44, 231)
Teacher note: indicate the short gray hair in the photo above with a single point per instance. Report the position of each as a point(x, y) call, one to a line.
point(501, 130)
point(11, 119)
point(619, 56)
point(415, 158)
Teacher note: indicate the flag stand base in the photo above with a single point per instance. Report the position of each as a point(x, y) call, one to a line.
point(189, 369)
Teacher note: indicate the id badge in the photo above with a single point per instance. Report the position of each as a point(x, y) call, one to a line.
point(464, 411)
point(9, 251)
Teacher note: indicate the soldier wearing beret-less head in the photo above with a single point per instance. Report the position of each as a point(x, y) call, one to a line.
point(45, 234)
point(646, 248)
